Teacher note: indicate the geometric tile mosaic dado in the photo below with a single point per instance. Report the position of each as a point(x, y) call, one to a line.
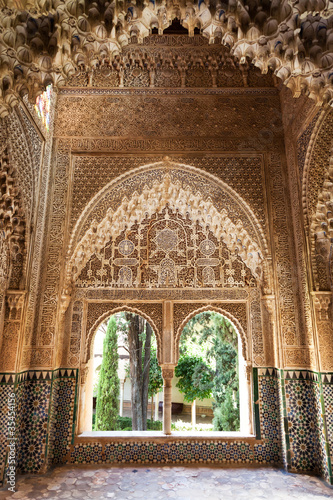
point(47, 412)
point(62, 416)
point(34, 390)
point(6, 389)
point(306, 423)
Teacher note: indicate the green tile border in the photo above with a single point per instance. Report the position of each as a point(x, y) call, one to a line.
point(256, 409)
point(76, 405)
point(327, 443)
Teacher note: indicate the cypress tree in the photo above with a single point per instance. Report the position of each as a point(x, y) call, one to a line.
point(107, 406)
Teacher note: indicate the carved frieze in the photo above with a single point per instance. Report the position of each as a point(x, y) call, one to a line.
point(50, 42)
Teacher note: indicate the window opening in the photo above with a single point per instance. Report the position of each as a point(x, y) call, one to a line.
point(175, 28)
point(43, 106)
point(210, 377)
point(127, 379)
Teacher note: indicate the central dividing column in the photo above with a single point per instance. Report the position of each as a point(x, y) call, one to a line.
point(167, 363)
point(167, 374)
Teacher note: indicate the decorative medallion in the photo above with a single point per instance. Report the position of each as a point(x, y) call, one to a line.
point(207, 247)
point(126, 247)
point(136, 72)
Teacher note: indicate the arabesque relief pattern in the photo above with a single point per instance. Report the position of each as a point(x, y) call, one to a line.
point(221, 168)
point(37, 278)
point(295, 122)
point(40, 153)
point(99, 311)
point(166, 250)
point(12, 219)
point(236, 232)
point(321, 225)
point(294, 353)
point(46, 43)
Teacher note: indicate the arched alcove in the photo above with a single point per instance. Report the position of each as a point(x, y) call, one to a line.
point(210, 308)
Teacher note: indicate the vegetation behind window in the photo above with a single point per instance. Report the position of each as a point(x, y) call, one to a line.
point(107, 407)
point(208, 367)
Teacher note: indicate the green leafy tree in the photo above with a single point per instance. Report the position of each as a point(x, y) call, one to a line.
point(107, 405)
point(226, 414)
point(195, 378)
point(211, 336)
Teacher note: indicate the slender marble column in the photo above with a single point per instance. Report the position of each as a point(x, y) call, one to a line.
point(167, 374)
point(121, 405)
point(193, 414)
point(157, 401)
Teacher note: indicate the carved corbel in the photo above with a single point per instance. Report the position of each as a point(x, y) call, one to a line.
point(269, 303)
point(248, 370)
point(15, 301)
point(65, 300)
point(321, 302)
point(84, 373)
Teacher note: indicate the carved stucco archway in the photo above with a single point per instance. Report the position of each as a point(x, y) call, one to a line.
point(168, 369)
point(317, 196)
point(90, 335)
point(133, 198)
point(318, 218)
point(140, 194)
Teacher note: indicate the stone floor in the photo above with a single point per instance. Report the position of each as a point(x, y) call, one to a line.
point(163, 483)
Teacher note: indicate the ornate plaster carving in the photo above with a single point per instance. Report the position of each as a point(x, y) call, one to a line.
point(149, 201)
point(321, 303)
point(147, 311)
point(323, 307)
point(46, 42)
point(12, 217)
point(188, 311)
point(322, 230)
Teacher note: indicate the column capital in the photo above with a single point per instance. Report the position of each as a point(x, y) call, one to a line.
point(321, 301)
point(248, 370)
point(15, 300)
point(167, 371)
point(269, 302)
point(84, 373)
